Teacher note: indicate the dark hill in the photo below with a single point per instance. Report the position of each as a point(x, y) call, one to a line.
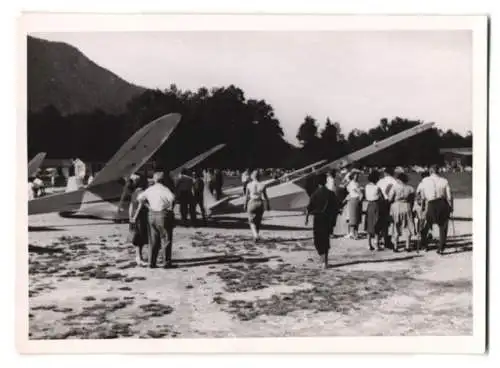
point(62, 76)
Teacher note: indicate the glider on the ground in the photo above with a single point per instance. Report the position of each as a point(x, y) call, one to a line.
point(107, 201)
point(291, 195)
point(106, 187)
point(236, 191)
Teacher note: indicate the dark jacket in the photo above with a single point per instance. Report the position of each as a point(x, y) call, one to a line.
point(323, 202)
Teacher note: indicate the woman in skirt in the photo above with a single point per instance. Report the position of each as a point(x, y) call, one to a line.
point(420, 207)
point(254, 203)
point(354, 204)
point(374, 221)
point(402, 196)
point(139, 229)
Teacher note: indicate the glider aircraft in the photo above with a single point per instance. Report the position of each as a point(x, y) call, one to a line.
point(236, 191)
point(291, 195)
point(105, 187)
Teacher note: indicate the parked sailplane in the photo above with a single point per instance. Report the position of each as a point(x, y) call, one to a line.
point(236, 191)
point(106, 187)
point(290, 195)
point(35, 164)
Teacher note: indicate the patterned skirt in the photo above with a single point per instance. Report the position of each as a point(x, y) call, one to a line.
point(354, 209)
point(402, 218)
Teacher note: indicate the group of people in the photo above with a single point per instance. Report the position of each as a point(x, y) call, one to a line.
point(215, 181)
point(151, 211)
point(394, 208)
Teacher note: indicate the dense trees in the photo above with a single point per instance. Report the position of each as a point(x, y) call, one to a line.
point(250, 129)
point(421, 149)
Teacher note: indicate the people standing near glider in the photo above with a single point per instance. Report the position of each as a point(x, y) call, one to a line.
point(245, 179)
point(210, 180)
point(401, 196)
point(139, 228)
point(254, 203)
point(373, 221)
point(161, 219)
point(218, 183)
point(184, 195)
point(198, 196)
point(31, 188)
point(420, 206)
point(436, 192)
point(385, 184)
point(323, 204)
point(80, 171)
point(354, 204)
point(72, 183)
point(331, 186)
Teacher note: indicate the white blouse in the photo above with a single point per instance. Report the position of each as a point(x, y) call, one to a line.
point(354, 190)
point(372, 192)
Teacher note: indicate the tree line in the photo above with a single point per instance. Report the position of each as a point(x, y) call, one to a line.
point(249, 127)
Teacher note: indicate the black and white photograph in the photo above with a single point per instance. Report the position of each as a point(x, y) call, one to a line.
point(220, 178)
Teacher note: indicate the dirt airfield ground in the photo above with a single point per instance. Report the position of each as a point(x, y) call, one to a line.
point(84, 283)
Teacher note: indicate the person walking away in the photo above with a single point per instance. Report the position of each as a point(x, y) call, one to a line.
point(161, 219)
point(385, 184)
point(198, 196)
point(184, 192)
point(373, 221)
point(245, 179)
point(437, 194)
point(401, 197)
point(254, 203)
point(218, 183)
point(322, 205)
point(139, 229)
point(330, 185)
point(354, 205)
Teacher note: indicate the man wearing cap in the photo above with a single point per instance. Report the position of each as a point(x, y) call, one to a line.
point(436, 192)
point(161, 201)
point(386, 184)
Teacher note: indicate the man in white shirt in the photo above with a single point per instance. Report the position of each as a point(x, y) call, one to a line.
point(160, 201)
point(386, 184)
point(436, 192)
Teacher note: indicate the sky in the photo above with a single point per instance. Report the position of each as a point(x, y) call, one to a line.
point(355, 78)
